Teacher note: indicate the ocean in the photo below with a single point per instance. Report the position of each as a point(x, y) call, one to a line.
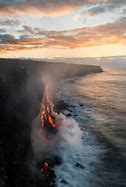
point(97, 102)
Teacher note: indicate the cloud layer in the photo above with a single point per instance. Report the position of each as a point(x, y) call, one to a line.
point(9, 22)
point(55, 7)
point(36, 38)
point(42, 7)
point(16, 36)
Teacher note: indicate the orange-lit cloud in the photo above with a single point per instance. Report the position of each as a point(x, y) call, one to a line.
point(52, 7)
point(110, 33)
point(40, 7)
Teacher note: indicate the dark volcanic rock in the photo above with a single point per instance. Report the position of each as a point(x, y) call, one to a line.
point(78, 165)
point(60, 105)
point(81, 105)
point(69, 114)
point(20, 99)
point(69, 110)
point(75, 115)
point(64, 181)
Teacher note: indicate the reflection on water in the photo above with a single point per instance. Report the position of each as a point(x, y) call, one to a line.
point(105, 95)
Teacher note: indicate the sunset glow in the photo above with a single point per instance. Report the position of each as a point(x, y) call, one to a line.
point(45, 29)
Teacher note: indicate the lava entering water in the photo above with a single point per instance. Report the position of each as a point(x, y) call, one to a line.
point(57, 137)
point(48, 117)
point(45, 169)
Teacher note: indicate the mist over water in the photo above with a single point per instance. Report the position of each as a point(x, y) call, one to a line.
point(98, 103)
point(46, 144)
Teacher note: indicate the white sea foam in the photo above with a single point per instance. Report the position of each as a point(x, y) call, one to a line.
point(81, 158)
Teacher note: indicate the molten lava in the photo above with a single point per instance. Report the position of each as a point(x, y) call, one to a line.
point(47, 115)
point(45, 169)
point(48, 118)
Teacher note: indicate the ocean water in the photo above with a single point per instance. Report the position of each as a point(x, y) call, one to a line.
point(98, 104)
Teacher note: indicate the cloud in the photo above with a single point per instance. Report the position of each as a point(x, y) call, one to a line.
point(103, 7)
point(93, 11)
point(9, 22)
point(34, 38)
point(96, 10)
point(42, 7)
point(27, 30)
point(53, 7)
point(2, 30)
point(7, 38)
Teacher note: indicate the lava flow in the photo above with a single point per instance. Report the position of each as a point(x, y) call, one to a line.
point(48, 117)
point(45, 169)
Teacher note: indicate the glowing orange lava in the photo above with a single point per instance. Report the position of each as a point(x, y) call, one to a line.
point(47, 114)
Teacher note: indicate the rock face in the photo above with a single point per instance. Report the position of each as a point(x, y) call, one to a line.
point(81, 104)
point(60, 105)
point(78, 165)
point(19, 104)
point(56, 70)
point(64, 181)
point(21, 92)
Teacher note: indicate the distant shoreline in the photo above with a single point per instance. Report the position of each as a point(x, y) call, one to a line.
point(56, 70)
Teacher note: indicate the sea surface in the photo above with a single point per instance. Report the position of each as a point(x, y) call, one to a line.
point(98, 104)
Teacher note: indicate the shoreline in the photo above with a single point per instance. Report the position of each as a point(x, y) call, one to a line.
point(21, 92)
point(111, 159)
point(113, 162)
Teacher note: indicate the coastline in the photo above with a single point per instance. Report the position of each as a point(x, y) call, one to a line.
point(21, 94)
point(113, 161)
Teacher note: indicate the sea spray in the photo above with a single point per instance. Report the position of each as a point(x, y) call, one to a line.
point(53, 135)
point(45, 144)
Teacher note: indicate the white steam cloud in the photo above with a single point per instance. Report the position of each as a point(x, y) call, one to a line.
point(47, 144)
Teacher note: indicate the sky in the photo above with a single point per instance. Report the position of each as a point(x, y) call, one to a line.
point(62, 28)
